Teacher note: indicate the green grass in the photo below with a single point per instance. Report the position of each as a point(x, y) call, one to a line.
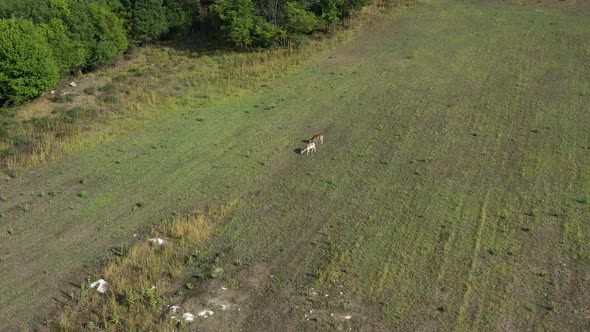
point(450, 194)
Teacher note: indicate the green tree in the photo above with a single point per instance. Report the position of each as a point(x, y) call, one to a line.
point(265, 33)
point(238, 20)
point(348, 6)
point(109, 35)
point(328, 10)
point(69, 53)
point(146, 19)
point(27, 65)
point(181, 14)
point(298, 19)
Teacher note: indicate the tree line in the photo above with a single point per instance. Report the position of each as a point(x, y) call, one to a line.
point(42, 40)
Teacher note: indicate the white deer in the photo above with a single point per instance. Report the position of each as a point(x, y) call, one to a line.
point(310, 147)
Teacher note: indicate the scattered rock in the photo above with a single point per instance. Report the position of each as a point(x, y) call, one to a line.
point(187, 316)
point(205, 313)
point(158, 241)
point(100, 285)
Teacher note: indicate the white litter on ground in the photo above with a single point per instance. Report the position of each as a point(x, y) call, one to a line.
point(174, 308)
point(223, 288)
point(158, 240)
point(187, 316)
point(205, 313)
point(100, 285)
point(347, 317)
point(72, 84)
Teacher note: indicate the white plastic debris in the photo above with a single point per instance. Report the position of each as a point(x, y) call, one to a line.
point(187, 316)
point(100, 285)
point(158, 241)
point(205, 313)
point(223, 288)
point(53, 92)
point(347, 317)
point(174, 308)
point(72, 84)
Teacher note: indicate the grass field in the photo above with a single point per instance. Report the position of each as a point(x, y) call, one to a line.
point(452, 192)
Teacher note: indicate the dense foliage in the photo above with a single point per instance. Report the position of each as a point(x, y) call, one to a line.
point(26, 64)
point(42, 39)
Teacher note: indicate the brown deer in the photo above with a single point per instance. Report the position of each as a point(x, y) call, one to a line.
point(317, 137)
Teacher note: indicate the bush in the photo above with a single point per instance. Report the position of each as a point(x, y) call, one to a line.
point(328, 10)
point(298, 19)
point(181, 14)
point(27, 65)
point(265, 33)
point(109, 33)
point(237, 17)
point(147, 19)
point(44, 123)
point(69, 53)
point(243, 27)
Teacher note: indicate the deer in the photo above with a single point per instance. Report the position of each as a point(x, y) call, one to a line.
point(317, 137)
point(310, 147)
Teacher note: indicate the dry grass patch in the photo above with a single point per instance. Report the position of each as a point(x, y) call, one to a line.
point(140, 280)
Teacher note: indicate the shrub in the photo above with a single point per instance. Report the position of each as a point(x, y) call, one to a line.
point(69, 53)
point(147, 19)
point(110, 99)
point(44, 123)
point(327, 10)
point(109, 33)
point(23, 143)
point(61, 98)
point(108, 88)
point(237, 17)
point(91, 90)
point(27, 65)
point(298, 19)
point(265, 33)
point(181, 14)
